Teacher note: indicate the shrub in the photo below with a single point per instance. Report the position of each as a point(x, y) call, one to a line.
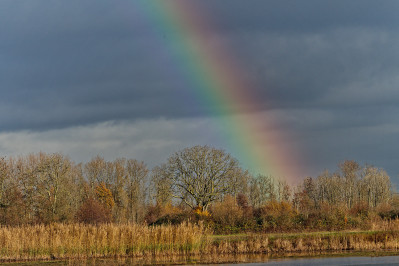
point(227, 214)
point(360, 209)
point(171, 218)
point(275, 216)
point(242, 201)
point(93, 212)
point(385, 211)
point(165, 214)
point(153, 214)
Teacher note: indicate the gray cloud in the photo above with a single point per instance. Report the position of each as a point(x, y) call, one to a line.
point(327, 70)
point(152, 141)
point(298, 17)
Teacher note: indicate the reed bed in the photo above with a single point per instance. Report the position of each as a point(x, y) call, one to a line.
point(81, 241)
point(309, 242)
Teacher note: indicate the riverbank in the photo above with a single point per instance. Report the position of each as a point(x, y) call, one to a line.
point(79, 241)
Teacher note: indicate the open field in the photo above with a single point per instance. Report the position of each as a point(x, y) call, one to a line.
point(78, 241)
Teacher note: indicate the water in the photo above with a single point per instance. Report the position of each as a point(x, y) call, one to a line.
point(248, 260)
point(386, 260)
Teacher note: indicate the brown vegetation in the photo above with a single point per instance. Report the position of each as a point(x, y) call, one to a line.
point(61, 241)
point(105, 240)
point(198, 183)
point(93, 212)
point(43, 196)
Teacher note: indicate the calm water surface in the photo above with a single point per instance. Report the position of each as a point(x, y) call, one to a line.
point(388, 260)
point(229, 260)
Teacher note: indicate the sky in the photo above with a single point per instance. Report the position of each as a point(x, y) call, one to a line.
point(97, 77)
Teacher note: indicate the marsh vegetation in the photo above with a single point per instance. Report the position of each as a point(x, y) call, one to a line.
point(51, 207)
point(173, 242)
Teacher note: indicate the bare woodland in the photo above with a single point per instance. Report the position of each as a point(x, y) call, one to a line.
point(199, 182)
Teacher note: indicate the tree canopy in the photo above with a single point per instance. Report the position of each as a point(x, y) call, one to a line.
point(201, 175)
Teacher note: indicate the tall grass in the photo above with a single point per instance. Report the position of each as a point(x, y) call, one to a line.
point(81, 241)
point(309, 242)
point(106, 240)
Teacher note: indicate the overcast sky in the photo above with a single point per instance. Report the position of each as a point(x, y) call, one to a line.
point(87, 78)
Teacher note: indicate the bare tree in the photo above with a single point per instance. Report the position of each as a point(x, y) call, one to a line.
point(349, 171)
point(283, 191)
point(160, 188)
point(12, 206)
point(137, 173)
point(201, 175)
point(309, 188)
point(255, 196)
point(262, 189)
point(377, 186)
point(53, 175)
point(115, 180)
point(4, 176)
point(95, 172)
point(25, 170)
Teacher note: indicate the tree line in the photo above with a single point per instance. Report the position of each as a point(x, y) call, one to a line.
point(199, 182)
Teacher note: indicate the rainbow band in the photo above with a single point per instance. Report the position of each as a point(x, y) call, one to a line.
point(217, 79)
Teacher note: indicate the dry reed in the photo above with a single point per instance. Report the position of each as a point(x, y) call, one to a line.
point(61, 241)
point(107, 240)
point(309, 243)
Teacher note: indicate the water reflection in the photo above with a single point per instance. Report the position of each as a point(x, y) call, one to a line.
point(386, 260)
point(227, 259)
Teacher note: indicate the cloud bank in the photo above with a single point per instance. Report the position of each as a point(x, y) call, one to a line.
point(90, 77)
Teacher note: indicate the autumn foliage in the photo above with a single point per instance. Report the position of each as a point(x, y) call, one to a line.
point(46, 188)
point(93, 212)
point(104, 195)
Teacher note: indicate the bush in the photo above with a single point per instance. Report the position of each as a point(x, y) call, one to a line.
point(385, 211)
point(360, 209)
point(165, 214)
point(93, 212)
point(227, 215)
point(242, 201)
point(171, 218)
point(275, 216)
point(153, 214)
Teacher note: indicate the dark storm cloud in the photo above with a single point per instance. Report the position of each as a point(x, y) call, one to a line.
point(327, 69)
point(65, 63)
point(308, 53)
point(77, 62)
point(298, 17)
point(344, 67)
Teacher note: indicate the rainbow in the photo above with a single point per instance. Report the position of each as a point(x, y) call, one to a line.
point(218, 81)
